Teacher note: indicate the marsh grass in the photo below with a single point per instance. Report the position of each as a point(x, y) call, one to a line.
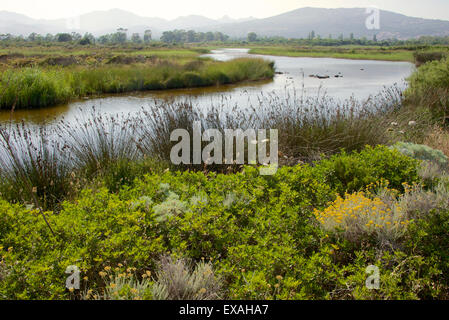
point(34, 168)
point(438, 138)
point(98, 141)
point(308, 127)
point(32, 87)
point(40, 87)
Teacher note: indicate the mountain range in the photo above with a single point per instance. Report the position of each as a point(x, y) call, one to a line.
point(294, 24)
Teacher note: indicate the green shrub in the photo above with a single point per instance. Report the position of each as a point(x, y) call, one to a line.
point(353, 172)
point(429, 237)
point(103, 229)
point(257, 233)
point(193, 79)
point(424, 57)
point(99, 230)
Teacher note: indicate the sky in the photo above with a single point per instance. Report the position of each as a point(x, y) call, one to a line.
point(170, 9)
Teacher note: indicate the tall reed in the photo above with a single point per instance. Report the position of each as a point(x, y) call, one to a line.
point(59, 159)
point(34, 166)
point(97, 141)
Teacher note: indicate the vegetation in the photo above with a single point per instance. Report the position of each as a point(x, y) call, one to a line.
point(342, 52)
point(359, 184)
point(283, 253)
point(423, 152)
point(121, 148)
point(429, 87)
point(422, 57)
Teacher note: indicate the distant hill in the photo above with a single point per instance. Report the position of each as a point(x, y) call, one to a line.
point(102, 22)
point(294, 24)
point(299, 23)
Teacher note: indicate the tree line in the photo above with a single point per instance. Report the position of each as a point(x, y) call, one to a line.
point(121, 36)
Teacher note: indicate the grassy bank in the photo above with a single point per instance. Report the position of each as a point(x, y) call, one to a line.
point(34, 87)
point(344, 52)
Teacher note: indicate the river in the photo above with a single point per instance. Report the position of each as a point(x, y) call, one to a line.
point(347, 78)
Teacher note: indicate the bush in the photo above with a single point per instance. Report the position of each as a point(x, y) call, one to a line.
point(353, 172)
point(424, 57)
point(428, 237)
point(417, 202)
point(193, 79)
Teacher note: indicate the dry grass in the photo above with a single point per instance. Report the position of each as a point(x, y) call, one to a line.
point(438, 138)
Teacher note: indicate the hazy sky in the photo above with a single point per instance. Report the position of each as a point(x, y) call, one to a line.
point(50, 9)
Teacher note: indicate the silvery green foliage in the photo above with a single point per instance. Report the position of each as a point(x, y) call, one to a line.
point(164, 188)
point(430, 172)
point(144, 203)
point(177, 279)
point(422, 152)
point(171, 207)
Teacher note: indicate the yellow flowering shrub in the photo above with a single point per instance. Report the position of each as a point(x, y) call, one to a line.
point(357, 216)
